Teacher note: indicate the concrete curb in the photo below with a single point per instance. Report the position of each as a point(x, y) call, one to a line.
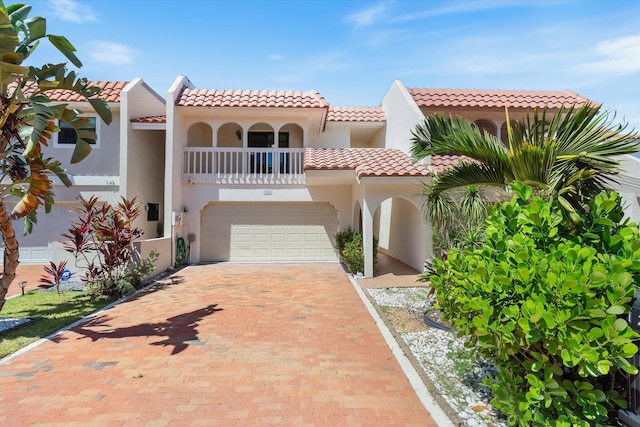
point(416, 382)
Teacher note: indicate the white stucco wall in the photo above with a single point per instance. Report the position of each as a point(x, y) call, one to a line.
point(97, 174)
point(336, 135)
point(629, 186)
point(104, 157)
point(176, 135)
point(142, 152)
point(402, 116)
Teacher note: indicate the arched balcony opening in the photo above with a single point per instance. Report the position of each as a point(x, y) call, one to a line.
point(198, 157)
point(486, 127)
point(230, 135)
point(504, 134)
point(261, 135)
point(259, 154)
point(291, 136)
point(199, 135)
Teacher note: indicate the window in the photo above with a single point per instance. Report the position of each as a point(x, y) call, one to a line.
point(265, 139)
point(67, 136)
point(153, 211)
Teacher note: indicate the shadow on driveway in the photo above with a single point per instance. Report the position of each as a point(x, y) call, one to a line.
point(179, 331)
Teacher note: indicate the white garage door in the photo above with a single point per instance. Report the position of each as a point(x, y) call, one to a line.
point(268, 232)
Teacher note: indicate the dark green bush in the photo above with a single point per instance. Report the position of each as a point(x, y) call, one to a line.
point(547, 303)
point(351, 249)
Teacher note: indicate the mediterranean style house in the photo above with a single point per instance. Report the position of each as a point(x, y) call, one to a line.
point(271, 176)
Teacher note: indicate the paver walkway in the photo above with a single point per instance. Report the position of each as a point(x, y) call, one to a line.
point(221, 344)
point(391, 273)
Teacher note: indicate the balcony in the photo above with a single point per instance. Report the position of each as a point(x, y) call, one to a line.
point(243, 165)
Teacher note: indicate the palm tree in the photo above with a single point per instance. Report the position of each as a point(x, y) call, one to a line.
point(28, 119)
point(568, 158)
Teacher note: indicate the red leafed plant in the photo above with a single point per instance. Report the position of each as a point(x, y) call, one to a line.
point(54, 275)
point(102, 243)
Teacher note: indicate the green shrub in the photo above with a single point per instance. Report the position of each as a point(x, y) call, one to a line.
point(547, 303)
point(351, 249)
point(342, 237)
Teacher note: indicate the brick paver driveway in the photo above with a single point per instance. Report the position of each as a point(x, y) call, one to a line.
point(223, 344)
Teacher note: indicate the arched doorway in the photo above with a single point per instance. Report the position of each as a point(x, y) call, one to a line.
point(401, 231)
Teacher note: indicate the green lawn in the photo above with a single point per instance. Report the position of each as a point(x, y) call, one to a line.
point(52, 311)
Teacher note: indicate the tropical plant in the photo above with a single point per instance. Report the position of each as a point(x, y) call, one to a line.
point(55, 274)
point(548, 305)
point(351, 249)
point(102, 243)
point(567, 156)
point(342, 237)
point(28, 119)
point(457, 219)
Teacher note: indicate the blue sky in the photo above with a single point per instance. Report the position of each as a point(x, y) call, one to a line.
point(351, 51)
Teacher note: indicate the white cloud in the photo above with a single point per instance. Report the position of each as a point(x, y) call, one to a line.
point(72, 11)
point(467, 7)
point(368, 16)
point(275, 57)
point(618, 56)
point(112, 53)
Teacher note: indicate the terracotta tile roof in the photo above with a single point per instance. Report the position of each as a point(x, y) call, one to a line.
point(440, 162)
point(110, 92)
point(366, 162)
point(250, 98)
point(150, 119)
point(430, 97)
point(356, 114)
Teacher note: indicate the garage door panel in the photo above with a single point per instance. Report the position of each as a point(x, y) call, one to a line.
point(279, 237)
point(312, 238)
point(279, 253)
point(268, 232)
point(295, 253)
point(327, 253)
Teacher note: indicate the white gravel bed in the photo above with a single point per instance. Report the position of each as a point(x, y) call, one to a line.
point(446, 362)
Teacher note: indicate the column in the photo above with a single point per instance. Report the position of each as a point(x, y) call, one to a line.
point(367, 238)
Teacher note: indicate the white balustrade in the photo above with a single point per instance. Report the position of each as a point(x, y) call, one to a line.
point(243, 165)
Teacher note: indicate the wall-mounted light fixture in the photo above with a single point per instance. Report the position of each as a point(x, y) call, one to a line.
point(239, 134)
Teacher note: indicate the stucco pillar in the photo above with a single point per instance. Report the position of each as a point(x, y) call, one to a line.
point(499, 130)
point(367, 238)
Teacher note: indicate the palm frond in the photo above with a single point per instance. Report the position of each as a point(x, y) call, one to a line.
point(470, 173)
point(531, 164)
point(590, 136)
point(440, 134)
